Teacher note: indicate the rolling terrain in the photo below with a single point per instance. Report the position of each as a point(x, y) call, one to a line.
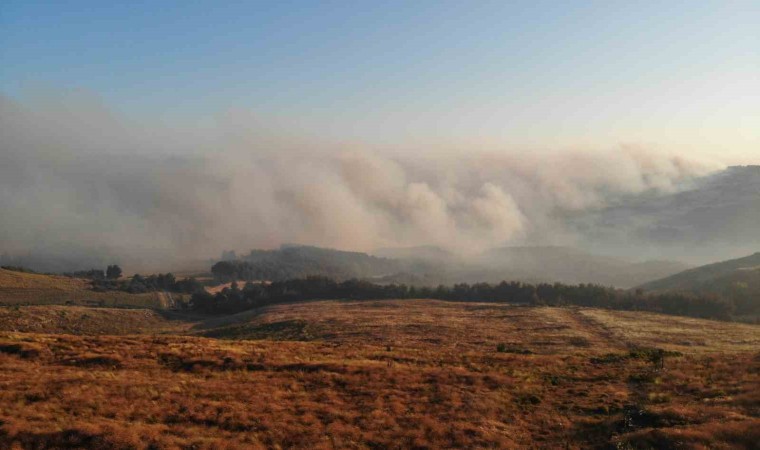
point(715, 217)
point(572, 265)
point(83, 320)
point(431, 266)
point(22, 288)
point(736, 279)
point(709, 276)
point(383, 374)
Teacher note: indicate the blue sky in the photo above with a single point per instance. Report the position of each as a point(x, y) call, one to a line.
point(543, 74)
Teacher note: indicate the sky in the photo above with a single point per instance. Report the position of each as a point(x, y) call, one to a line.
point(675, 75)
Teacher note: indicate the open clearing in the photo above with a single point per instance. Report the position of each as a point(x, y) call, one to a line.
point(383, 374)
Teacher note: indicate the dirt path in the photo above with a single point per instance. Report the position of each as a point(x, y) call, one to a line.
point(594, 328)
point(165, 299)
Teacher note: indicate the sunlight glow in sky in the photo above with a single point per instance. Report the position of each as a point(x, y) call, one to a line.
point(678, 75)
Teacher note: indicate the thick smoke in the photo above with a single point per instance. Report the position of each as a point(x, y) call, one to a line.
point(77, 179)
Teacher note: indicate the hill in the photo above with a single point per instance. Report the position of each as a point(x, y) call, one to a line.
point(293, 261)
point(736, 279)
point(572, 265)
point(81, 320)
point(16, 279)
point(716, 215)
point(422, 252)
point(389, 374)
point(432, 266)
point(23, 288)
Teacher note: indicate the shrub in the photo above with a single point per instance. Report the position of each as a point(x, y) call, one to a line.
point(26, 351)
point(504, 348)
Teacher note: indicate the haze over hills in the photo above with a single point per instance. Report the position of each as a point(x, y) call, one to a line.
point(421, 252)
point(716, 217)
point(572, 265)
point(432, 266)
point(708, 217)
point(292, 261)
point(96, 203)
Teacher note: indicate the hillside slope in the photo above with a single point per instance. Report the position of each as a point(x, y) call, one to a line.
point(736, 279)
point(716, 217)
point(295, 261)
point(11, 279)
point(704, 275)
point(432, 266)
point(82, 320)
point(22, 288)
point(572, 265)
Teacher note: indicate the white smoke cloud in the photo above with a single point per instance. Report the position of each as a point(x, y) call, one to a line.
point(73, 175)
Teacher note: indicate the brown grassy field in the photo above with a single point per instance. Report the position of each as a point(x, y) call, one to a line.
point(386, 374)
point(81, 320)
point(21, 288)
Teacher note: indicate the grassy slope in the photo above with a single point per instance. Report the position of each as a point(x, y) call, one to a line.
point(86, 321)
point(702, 277)
point(388, 374)
point(20, 288)
point(736, 279)
point(10, 279)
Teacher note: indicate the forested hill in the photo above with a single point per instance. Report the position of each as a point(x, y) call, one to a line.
point(704, 275)
point(422, 267)
point(736, 279)
point(292, 261)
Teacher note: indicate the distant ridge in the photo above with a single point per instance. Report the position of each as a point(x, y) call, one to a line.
point(423, 252)
point(433, 266)
point(574, 265)
point(737, 280)
point(716, 217)
point(295, 261)
point(699, 276)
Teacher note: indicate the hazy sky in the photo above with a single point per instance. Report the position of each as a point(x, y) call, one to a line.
point(682, 76)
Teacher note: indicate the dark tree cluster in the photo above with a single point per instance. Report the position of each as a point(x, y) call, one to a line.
point(289, 262)
point(226, 271)
point(252, 295)
point(156, 282)
point(92, 274)
point(112, 272)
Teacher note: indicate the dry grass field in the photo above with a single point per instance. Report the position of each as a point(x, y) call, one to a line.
point(382, 374)
point(81, 320)
point(21, 288)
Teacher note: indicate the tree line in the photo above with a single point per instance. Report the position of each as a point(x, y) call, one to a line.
point(112, 272)
point(252, 295)
point(138, 284)
point(298, 261)
point(110, 280)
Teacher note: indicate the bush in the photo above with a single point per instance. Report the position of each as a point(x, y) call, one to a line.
point(504, 348)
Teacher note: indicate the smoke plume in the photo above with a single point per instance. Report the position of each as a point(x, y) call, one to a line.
point(75, 178)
